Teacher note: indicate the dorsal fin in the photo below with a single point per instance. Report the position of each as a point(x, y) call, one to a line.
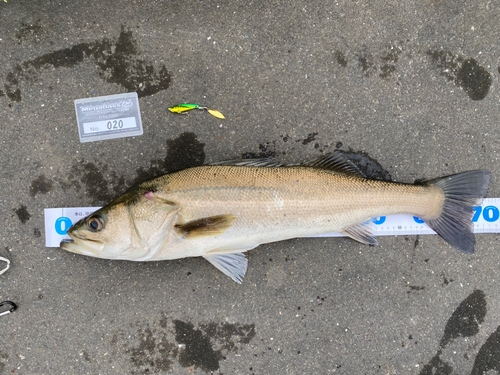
point(262, 162)
point(335, 161)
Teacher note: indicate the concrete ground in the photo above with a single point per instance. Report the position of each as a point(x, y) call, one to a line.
point(409, 89)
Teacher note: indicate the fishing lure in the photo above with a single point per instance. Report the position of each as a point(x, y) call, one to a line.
point(181, 108)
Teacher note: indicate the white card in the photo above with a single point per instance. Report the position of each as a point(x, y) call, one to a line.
point(108, 117)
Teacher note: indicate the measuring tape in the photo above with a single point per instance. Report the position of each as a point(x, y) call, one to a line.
point(486, 219)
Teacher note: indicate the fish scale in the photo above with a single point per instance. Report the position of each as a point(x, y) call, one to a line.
point(303, 191)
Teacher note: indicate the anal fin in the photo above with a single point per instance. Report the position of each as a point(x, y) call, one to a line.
point(364, 233)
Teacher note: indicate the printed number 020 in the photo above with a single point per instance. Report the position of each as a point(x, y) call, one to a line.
point(490, 214)
point(114, 124)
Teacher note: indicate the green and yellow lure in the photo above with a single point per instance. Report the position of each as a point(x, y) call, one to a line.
point(181, 108)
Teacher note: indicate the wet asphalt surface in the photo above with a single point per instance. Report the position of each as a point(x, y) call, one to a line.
point(409, 90)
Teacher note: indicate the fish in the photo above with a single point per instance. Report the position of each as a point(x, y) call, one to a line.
point(222, 210)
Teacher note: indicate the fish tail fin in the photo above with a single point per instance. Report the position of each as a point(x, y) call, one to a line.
point(462, 192)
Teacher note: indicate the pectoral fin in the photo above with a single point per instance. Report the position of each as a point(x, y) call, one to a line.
point(233, 265)
point(207, 226)
point(364, 233)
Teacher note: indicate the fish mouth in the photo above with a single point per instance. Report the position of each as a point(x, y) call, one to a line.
point(77, 246)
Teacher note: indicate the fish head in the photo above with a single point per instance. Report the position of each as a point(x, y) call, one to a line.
point(129, 228)
point(100, 234)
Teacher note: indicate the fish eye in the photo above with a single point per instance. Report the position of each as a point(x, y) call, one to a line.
point(96, 223)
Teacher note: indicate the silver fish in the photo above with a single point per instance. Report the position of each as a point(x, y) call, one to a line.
point(221, 211)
